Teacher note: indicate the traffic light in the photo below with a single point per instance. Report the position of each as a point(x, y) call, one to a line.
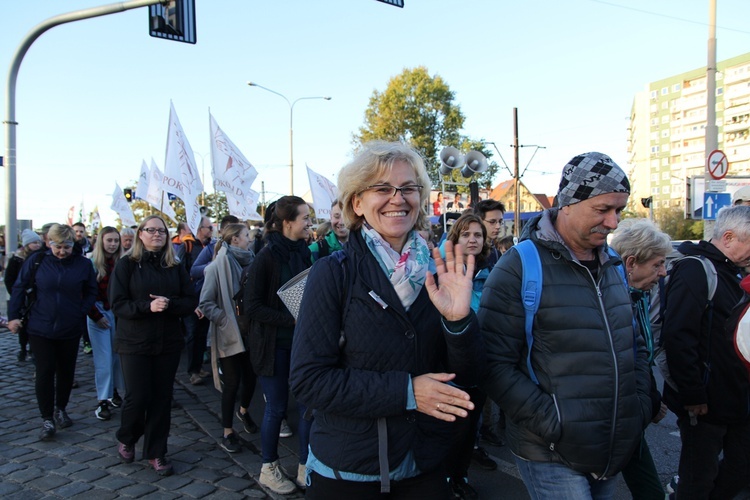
point(128, 194)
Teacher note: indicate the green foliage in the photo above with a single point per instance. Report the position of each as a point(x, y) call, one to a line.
point(419, 109)
point(673, 222)
point(216, 203)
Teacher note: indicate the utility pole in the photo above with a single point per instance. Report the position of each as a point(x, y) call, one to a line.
point(712, 131)
point(517, 177)
point(263, 197)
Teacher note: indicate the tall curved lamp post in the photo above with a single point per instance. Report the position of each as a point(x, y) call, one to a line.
point(291, 126)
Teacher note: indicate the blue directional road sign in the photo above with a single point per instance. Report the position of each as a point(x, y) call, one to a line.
point(713, 202)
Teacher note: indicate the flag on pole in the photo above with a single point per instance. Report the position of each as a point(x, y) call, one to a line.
point(141, 189)
point(323, 191)
point(181, 175)
point(244, 208)
point(233, 174)
point(96, 219)
point(150, 190)
point(71, 214)
point(122, 207)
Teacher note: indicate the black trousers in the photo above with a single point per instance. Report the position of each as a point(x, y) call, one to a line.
point(196, 333)
point(147, 405)
point(430, 486)
point(465, 437)
point(236, 374)
point(702, 474)
point(55, 369)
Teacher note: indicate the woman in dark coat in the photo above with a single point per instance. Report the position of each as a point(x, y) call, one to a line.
point(30, 243)
point(149, 292)
point(378, 340)
point(284, 256)
point(65, 289)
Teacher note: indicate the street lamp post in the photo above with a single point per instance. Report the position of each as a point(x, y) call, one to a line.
point(291, 126)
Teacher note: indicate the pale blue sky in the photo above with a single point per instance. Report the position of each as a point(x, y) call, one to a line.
point(93, 96)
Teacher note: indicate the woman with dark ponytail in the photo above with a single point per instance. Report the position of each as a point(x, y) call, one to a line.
point(284, 256)
point(223, 281)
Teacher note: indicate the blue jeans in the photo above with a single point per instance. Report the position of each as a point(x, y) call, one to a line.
point(551, 480)
point(107, 370)
point(276, 391)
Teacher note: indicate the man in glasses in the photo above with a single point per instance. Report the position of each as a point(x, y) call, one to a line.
point(491, 212)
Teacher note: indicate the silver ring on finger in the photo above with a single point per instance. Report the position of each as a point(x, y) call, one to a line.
point(438, 407)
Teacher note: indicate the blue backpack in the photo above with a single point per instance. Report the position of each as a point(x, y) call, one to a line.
point(531, 292)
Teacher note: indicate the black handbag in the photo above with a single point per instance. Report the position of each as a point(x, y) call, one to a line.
point(29, 293)
point(243, 320)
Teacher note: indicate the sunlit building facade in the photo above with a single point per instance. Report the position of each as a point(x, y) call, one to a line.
point(666, 138)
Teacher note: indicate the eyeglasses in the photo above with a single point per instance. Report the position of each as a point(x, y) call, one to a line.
point(154, 230)
point(62, 246)
point(493, 222)
point(386, 190)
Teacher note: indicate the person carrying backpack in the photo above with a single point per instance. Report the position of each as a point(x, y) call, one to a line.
point(576, 389)
point(712, 395)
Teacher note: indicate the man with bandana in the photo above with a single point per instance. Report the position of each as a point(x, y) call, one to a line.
point(576, 406)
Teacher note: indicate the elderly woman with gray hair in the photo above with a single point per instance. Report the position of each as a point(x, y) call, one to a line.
point(643, 248)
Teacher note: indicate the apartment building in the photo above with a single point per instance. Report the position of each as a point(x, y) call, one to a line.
point(666, 138)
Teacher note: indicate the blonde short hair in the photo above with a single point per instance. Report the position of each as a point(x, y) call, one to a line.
point(60, 233)
point(371, 163)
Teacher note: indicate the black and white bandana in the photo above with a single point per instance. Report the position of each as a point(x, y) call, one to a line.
point(589, 175)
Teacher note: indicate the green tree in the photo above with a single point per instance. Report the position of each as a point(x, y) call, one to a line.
point(672, 221)
point(216, 203)
point(418, 109)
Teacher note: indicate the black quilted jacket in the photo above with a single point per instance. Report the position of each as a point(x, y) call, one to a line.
point(593, 398)
point(352, 388)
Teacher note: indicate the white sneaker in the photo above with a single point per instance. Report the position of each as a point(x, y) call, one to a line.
point(272, 478)
point(285, 431)
point(672, 485)
point(301, 476)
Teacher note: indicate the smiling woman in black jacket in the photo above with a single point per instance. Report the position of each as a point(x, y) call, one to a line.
point(149, 292)
point(272, 327)
point(384, 411)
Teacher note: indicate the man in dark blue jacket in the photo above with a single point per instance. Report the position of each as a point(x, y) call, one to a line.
point(711, 396)
point(63, 286)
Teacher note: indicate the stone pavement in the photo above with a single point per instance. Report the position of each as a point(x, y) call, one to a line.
point(82, 460)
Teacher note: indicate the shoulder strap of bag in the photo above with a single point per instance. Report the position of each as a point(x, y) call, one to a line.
point(531, 293)
point(340, 257)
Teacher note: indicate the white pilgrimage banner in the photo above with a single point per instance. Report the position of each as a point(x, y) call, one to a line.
point(323, 191)
point(233, 174)
point(244, 208)
point(122, 207)
point(181, 176)
point(150, 190)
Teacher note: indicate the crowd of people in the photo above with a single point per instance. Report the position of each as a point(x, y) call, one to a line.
point(407, 352)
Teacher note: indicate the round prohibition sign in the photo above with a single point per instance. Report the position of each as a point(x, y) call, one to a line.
point(718, 166)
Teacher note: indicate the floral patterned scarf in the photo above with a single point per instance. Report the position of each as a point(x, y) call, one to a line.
point(406, 271)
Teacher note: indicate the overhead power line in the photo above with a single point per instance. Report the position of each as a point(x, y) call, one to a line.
point(668, 16)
